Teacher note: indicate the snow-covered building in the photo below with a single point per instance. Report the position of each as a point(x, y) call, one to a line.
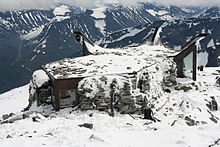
point(67, 73)
point(137, 74)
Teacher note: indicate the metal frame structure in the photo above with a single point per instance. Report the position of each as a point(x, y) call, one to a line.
point(189, 48)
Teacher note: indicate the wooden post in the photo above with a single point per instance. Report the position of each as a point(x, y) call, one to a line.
point(57, 95)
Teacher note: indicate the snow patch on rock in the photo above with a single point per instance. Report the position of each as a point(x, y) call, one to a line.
point(99, 12)
point(211, 44)
point(100, 24)
point(155, 13)
point(32, 34)
point(61, 11)
point(40, 77)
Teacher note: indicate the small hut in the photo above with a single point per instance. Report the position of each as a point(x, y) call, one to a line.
point(67, 73)
point(145, 71)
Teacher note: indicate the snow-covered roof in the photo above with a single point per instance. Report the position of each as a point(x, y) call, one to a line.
point(107, 61)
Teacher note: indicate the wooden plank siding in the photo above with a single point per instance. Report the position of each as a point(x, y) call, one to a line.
point(64, 84)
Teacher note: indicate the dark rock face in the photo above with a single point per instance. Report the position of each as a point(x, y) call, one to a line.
point(190, 121)
point(11, 44)
point(26, 20)
point(185, 88)
point(212, 12)
point(9, 41)
point(137, 17)
point(212, 105)
point(87, 125)
point(39, 93)
point(217, 81)
point(42, 95)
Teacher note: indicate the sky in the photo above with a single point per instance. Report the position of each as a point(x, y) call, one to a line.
point(46, 4)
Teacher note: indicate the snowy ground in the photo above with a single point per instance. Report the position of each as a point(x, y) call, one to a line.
point(14, 100)
point(62, 128)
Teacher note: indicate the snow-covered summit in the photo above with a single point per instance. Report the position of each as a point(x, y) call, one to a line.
point(61, 10)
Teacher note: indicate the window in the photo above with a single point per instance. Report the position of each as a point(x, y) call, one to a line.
point(68, 98)
point(188, 65)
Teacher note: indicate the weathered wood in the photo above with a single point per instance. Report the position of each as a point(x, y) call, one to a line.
point(60, 85)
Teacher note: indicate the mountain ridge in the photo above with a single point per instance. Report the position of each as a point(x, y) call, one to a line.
point(40, 36)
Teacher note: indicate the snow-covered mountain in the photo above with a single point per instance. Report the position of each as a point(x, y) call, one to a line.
point(174, 34)
point(26, 20)
point(132, 36)
point(30, 38)
point(171, 12)
point(211, 12)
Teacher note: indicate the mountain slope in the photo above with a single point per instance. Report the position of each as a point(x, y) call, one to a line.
point(175, 34)
point(26, 20)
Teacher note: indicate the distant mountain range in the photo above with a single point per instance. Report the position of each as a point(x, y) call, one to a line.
point(30, 38)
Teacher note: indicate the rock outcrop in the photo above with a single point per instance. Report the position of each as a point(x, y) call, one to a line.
point(40, 89)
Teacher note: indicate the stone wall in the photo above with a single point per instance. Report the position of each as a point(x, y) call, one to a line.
point(133, 92)
point(39, 89)
point(41, 95)
point(97, 95)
